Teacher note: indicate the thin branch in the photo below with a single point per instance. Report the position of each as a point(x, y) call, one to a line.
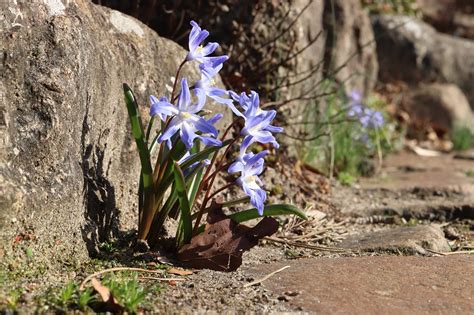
point(81, 287)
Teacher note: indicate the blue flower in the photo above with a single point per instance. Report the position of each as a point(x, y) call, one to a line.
point(185, 120)
point(196, 50)
point(369, 118)
point(204, 87)
point(257, 126)
point(250, 166)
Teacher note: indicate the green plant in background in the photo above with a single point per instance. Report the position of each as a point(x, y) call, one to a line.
point(85, 299)
point(357, 131)
point(462, 138)
point(127, 291)
point(12, 298)
point(67, 293)
point(405, 7)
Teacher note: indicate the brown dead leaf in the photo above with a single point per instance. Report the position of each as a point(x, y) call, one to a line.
point(179, 272)
point(108, 304)
point(221, 245)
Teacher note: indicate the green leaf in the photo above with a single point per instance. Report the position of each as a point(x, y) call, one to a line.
point(271, 210)
point(204, 154)
point(148, 130)
point(185, 228)
point(198, 157)
point(196, 180)
point(161, 216)
point(235, 202)
point(146, 169)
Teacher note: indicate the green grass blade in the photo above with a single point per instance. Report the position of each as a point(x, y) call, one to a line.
point(185, 229)
point(271, 210)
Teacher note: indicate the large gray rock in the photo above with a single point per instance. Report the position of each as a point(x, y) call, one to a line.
point(441, 106)
point(350, 45)
point(455, 17)
point(412, 51)
point(68, 166)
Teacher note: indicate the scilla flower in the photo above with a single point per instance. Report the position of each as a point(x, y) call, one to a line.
point(185, 120)
point(196, 50)
point(205, 87)
point(368, 118)
point(257, 126)
point(250, 166)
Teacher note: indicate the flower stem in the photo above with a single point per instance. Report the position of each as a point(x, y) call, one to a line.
point(176, 79)
point(221, 189)
point(206, 176)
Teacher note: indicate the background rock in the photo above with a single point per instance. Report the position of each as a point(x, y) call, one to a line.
point(412, 51)
point(455, 17)
point(350, 45)
point(411, 240)
point(441, 106)
point(68, 166)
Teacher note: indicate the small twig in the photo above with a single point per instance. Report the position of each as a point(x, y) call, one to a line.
point(460, 252)
point(316, 247)
point(161, 279)
point(81, 287)
point(264, 278)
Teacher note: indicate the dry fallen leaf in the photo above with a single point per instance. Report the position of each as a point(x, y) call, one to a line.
point(109, 303)
point(221, 245)
point(179, 272)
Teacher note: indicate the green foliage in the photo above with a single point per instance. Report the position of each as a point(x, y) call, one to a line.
point(127, 291)
point(470, 173)
point(342, 146)
point(346, 178)
point(85, 298)
point(12, 298)
point(405, 7)
point(67, 293)
point(271, 210)
point(462, 138)
point(69, 297)
point(107, 248)
point(184, 233)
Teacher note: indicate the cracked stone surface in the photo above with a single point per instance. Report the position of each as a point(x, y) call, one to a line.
point(434, 188)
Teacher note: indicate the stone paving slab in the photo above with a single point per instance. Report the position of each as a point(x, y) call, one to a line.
point(375, 285)
point(434, 188)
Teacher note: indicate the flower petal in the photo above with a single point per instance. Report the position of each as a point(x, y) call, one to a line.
point(235, 167)
point(187, 135)
point(209, 141)
point(205, 127)
point(170, 131)
point(184, 96)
